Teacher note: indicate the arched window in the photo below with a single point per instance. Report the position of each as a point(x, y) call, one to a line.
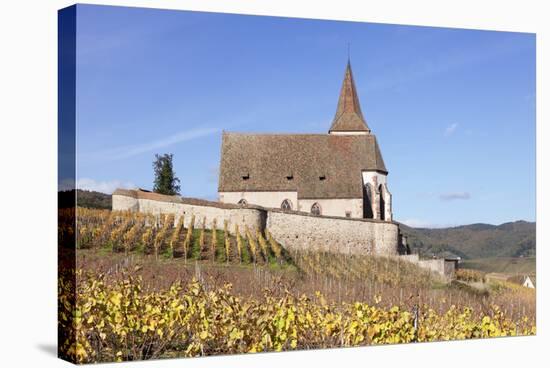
point(367, 201)
point(316, 209)
point(242, 202)
point(286, 205)
point(382, 202)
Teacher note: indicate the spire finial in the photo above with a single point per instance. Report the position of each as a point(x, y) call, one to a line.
point(349, 52)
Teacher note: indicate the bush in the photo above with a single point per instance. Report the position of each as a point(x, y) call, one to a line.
point(467, 275)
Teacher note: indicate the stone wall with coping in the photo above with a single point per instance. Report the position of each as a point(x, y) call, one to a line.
point(125, 203)
point(253, 218)
point(333, 234)
point(439, 265)
point(294, 230)
point(157, 204)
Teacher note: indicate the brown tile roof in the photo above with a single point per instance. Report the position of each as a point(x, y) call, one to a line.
point(348, 115)
point(268, 159)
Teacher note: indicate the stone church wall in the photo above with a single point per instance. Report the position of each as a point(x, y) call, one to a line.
point(329, 207)
point(267, 199)
point(334, 207)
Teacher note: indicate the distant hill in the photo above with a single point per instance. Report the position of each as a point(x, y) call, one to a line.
point(512, 239)
point(85, 198)
point(503, 265)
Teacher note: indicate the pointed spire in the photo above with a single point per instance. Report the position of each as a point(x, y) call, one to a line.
point(348, 117)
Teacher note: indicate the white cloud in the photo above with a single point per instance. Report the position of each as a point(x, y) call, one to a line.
point(134, 150)
point(450, 129)
point(107, 187)
point(455, 195)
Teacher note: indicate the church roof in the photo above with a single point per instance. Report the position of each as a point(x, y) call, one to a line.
point(315, 165)
point(348, 115)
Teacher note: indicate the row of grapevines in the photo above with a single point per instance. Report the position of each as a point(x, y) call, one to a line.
point(116, 320)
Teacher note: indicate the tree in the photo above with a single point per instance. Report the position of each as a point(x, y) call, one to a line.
point(166, 181)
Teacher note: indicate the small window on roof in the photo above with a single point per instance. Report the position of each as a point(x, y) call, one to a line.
point(322, 177)
point(289, 177)
point(246, 176)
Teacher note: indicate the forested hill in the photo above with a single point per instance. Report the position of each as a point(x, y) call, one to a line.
point(512, 239)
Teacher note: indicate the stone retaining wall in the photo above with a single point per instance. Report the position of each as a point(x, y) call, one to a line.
point(159, 204)
point(294, 230)
point(342, 235)
point(439, 265)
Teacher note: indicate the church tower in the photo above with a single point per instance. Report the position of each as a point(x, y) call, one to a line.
point(349, 120)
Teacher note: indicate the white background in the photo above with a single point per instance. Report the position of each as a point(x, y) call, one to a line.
point(28, 179)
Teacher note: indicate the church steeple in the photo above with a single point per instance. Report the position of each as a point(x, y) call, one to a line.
point(348, 117)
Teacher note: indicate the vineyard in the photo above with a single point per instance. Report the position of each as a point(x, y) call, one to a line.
point(116, 320)
point(149, 287)
point(164, 236)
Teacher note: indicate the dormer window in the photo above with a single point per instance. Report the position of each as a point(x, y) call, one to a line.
point(289, 177)
point(322, 177)
point(246, 176)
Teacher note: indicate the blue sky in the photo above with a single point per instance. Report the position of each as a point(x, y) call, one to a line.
point(453, 110)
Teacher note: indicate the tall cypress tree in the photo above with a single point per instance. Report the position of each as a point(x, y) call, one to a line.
point(166, 181)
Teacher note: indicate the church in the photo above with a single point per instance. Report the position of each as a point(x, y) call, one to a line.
point(340, 173)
